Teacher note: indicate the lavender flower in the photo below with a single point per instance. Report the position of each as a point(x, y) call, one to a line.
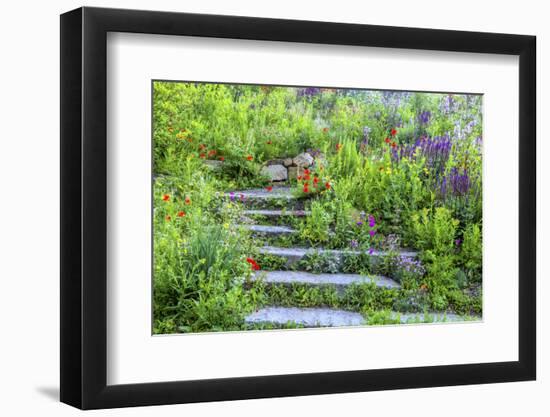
point(424, 117)
point(353, 243)
point(372, 221)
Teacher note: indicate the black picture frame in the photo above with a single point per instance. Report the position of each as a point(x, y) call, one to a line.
point(84, 207)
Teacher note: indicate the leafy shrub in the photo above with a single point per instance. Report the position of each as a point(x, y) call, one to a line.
point(320, 262)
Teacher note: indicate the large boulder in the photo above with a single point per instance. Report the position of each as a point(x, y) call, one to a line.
point(303, 160)
point(292, 173)
point(275, 172)
point(288, 162)
point(275, 162)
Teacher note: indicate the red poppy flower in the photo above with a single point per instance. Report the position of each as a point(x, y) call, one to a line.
point(249, 158)
point(306, 189)
point(187, 200)
point(181, 213)
point(327, 185)
point(338, 146)
point(299, 178)
point(166, 197)
point(221, 158)
point(202, 146)
point(253, 264)
point(325, 129)
point(269, 188)
point(202, 156)
point(168, 218)
point(306, 171)
point(307, 177)
point(315, 180)
point(212, 152)
point(393, 132)
point(387, 140)
point(394, 145)
point(269, 142)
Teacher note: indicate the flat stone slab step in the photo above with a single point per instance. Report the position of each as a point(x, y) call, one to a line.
point(338, 280)
point(296, 254)
point(329, 317)
point(308, 317)
point(264, 229)
point(411, 318)
point(276, 213)
point(263, 194)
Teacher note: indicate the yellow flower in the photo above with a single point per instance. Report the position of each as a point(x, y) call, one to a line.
point(388, 170)
point(226, 226)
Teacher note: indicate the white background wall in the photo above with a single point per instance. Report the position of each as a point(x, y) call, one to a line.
point(29, 193)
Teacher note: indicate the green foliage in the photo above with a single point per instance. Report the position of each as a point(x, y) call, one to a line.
point(315, 228)
point(472, 252)
point(434, 234)
point(320, 262)
point(369, 161)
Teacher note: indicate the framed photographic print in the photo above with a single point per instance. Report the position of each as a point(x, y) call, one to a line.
point(256, 208)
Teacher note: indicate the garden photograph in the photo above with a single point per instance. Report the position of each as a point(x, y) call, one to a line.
point(288, 207)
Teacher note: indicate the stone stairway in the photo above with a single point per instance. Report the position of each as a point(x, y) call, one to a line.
point(269, 213)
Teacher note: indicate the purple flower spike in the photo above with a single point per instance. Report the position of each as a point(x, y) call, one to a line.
point(371, 251)
point(232, 196)
point(353, 243)
point(372, 221)
point(458, 242)
point(372, 233)
point(359, 223)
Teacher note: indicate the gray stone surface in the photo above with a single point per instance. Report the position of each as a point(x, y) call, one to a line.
point(303, 160)
point(275, 172)
point(213, 164)
point(308, 317)
point(275, 162)
point(287, 162)
point(412, 318)
point(295, 254)
point(292, 173)
point(276, 213)
point(268, 229)
point(339, 280)
point(262, 194)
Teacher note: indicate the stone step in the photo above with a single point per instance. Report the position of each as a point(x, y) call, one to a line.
point(329, 317)
point(261, 198)
point(276, 213)
point(340, 281)
point(295, 254)
point(268, 230)
point(307, 317)
point(284, 193)
point(435, 317)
